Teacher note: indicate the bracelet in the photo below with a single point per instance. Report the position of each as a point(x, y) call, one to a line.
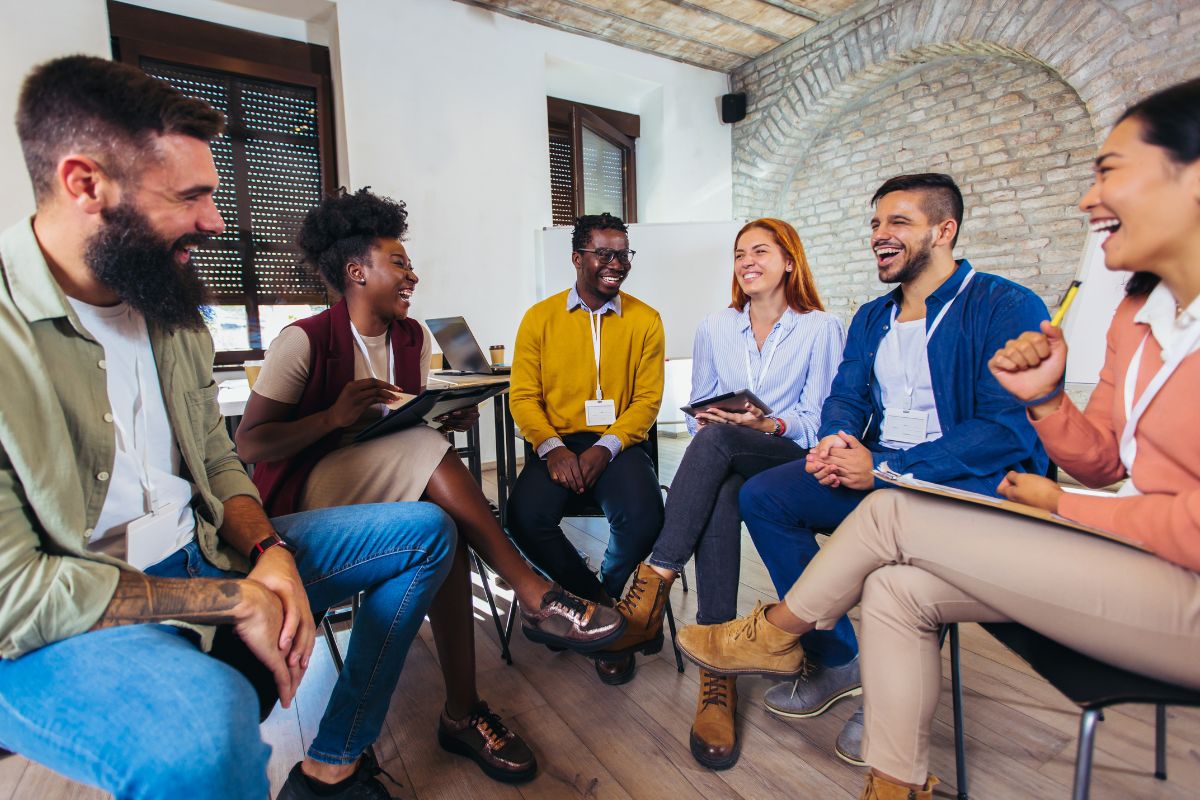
point(782, 427)
point(1037, 401)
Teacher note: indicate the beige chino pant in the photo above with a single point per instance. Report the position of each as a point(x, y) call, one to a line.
point(916, 562)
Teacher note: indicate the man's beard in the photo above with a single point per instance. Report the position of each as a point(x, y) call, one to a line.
point(128, 257)
point(914, 266)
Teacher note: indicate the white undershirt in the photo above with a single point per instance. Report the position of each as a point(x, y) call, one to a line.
point(903, 357)
point(122, 333)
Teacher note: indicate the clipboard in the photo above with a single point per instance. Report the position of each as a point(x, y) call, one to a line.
point(893, 478)
point(430, 404)
point(733, 402)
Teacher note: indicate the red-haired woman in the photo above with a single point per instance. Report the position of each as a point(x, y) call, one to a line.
point(776, 340)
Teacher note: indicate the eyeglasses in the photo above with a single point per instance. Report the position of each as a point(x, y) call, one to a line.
point(606, 255)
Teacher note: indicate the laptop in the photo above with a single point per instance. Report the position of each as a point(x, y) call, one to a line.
point(459, 349)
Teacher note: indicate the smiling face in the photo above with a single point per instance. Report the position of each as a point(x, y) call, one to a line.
point(759, 264)
point(1148, 205)
point(903, 236)
point(593, 277)
point(386, 281)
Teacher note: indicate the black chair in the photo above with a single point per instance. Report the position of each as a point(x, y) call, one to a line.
point(586, 507)
point(1090, 684)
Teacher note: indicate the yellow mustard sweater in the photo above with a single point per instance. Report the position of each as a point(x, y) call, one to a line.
point(554, 370)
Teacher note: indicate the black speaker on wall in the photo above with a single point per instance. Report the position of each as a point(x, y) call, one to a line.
point(733, 107)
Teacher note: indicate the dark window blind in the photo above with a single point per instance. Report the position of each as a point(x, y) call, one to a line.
point(562, 183)
point(269, 162)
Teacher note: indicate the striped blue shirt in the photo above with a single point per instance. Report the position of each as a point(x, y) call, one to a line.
point(807, 349)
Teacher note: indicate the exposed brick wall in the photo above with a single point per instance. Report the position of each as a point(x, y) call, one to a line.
point(1010, 97)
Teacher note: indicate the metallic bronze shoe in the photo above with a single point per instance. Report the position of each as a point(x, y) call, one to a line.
point(483, 738)
point(714, 739)
point(571, 623)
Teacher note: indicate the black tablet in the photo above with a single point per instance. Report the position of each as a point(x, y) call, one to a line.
point(430, 404)
point(733, 402)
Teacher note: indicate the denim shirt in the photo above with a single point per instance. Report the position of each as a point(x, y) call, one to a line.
point(985, 431)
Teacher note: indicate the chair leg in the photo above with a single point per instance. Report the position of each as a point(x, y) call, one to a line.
point(674, 643)
point(683, 580)
point(1083, 760)
point(1160, 742)
point(327, 629)
point(487, 591)
point(960, 744)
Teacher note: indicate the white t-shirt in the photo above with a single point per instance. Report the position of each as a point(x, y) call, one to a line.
point(903, 361)
point(145, 442)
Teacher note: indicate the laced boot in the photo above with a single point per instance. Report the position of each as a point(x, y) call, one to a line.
point(747, 646)
point(878, 788)
point(714, 739)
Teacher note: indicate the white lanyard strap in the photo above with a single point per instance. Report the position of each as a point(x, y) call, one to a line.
point(366, 354)
point(910, 381)
point(768, 355)
point(1133, 412)
point(594, 323)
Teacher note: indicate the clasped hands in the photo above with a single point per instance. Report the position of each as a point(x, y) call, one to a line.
point(577, 472)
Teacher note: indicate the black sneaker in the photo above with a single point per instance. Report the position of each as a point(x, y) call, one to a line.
point(483, 738)
point(362, 785)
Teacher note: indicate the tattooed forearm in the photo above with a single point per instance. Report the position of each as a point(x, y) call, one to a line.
point(141, 598)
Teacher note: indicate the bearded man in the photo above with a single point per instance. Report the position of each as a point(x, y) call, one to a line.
point(128, 527)
point(913, 390)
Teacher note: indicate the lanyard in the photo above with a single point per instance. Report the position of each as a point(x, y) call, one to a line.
point(754, 381)
point(141, 445)
point(594, 323)
point(366, 354)
point(910, 382)
point(1133, 412)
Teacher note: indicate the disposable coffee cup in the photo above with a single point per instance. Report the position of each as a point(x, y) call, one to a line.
point(435, 361)
point(252, 370)
point(497, 351)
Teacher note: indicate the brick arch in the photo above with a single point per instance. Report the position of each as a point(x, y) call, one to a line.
point(1109, 56)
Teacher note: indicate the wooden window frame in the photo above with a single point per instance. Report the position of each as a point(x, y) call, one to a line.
point(144, 33)
point(567, 118)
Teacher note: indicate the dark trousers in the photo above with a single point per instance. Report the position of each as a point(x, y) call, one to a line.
point(783, 507)
point(628, 494)
point(702, 516)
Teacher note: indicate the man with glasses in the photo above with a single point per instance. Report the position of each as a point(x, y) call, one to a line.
point(587, 381)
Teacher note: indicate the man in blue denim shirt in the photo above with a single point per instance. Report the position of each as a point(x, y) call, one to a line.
point(913, 390)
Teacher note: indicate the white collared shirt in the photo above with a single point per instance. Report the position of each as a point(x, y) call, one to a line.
point(1159, 313)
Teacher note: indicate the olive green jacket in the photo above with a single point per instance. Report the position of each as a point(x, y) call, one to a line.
point(57, 445)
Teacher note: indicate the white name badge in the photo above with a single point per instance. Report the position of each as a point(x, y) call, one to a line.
point(905, 426)
point(152, 538)
point(600, 412)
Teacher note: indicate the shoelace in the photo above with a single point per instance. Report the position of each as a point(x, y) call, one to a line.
point(749, 627)
point(369, 768)
point(807, 668)
point(575, 608)
point(626, 606)
point(715, 690)
point(491, 728)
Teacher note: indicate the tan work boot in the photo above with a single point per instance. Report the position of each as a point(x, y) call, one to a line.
point(642, 607)
point(714, 736)
point(878, 788)
point(747, 646)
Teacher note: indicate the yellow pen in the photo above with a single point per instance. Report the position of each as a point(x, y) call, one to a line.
point(1068, 298)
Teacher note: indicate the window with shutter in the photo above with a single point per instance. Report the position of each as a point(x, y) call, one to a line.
point(274, 161)
point(591, 161)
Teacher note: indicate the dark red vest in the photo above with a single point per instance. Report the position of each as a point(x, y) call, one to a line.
point(330, 368)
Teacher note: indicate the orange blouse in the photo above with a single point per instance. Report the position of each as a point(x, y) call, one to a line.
point(1165, 518)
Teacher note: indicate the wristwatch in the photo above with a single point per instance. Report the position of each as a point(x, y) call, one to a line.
point(274, 540)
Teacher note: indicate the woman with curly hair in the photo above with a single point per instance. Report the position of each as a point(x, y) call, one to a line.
point(326, 378)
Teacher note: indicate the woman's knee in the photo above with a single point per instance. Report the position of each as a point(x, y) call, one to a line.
point(901, 595)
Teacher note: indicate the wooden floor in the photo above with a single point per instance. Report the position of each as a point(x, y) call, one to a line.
point(596, 741)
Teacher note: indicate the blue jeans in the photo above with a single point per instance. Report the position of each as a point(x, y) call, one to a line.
point(781, 508)
point(139, 711)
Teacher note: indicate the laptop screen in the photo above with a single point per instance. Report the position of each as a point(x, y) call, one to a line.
point(458, 344)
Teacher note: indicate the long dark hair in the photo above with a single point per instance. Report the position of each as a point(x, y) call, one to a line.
point(1170, 120)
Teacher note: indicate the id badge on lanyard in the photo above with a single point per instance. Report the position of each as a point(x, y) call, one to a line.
point(599, 411)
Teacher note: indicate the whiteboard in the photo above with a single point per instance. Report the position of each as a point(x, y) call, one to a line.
point(684, 270)
point(1087, 320)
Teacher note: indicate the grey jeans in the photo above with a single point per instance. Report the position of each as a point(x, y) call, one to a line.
point(702, 511)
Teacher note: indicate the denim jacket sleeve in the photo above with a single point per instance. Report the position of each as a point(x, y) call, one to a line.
point(848, 406)
point(996, 434)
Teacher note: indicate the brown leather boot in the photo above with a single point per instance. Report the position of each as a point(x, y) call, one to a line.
point(747, 646)
point(642, 607)
point(878, 788)
point(714, 735)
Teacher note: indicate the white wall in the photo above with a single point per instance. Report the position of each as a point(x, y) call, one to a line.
point(35, 33)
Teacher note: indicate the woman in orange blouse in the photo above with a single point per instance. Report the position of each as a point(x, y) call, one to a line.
point(917, 561)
